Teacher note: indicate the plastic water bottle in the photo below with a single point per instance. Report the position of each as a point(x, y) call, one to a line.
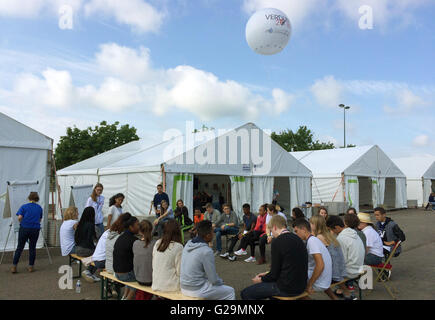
point(78, 286)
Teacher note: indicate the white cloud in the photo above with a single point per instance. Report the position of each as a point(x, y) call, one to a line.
point(327, 91)
point(138, 14)
point(131, 81)
point(421, 140)
point(407, 101)
point(298, 11)
point(33, 8)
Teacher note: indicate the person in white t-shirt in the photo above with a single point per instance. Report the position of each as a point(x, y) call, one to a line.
point(115, 208)
point(319, 259)
point(374, 245)
point(67, 230)
point(98, 258)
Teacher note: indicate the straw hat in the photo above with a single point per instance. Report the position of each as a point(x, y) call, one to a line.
point(364, 217)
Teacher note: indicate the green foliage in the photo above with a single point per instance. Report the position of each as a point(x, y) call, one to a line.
point(300, 140)
point(79, 145)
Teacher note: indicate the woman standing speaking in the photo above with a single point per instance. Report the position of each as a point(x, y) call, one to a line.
point(96, 200)
point(29, 216)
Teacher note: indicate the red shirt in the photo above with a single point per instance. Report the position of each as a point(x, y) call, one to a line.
point(261, 224)
point(197, 219)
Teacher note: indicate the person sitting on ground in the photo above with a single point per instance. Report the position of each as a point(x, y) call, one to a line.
point(115, 208)
point(67, 230)
point(197, 218)
point(249, 221)
point(374, 246)
point(212, 214)
point(352, 248)
point(123, 255)
point(165, 214)
point(167, 259)
point(351, 210)
point(115, 231)
point(30, 216)
point(198, 271)
point(228, 223)
point(255, 235)
point(319, 230)
point(143, 256)
point(319, 259)
point(289, 268)
point(85, 235)
point(324, 213)
point(389, 231)
point(431, 201)
point(181, 215)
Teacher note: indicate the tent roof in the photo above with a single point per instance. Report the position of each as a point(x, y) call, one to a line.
point(417, 166)
point(14, 134)
point(137, 156)
point(357, 161)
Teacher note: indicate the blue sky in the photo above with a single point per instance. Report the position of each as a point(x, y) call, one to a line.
point(156, 64)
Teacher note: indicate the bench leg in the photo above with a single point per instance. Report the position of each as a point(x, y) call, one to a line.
point(103, 281)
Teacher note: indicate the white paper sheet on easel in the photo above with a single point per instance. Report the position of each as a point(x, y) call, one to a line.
point(17, 195)
point(79, 197)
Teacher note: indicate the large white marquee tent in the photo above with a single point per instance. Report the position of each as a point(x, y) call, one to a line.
point(361, 176)
point(136, 168)
point(25, 155)
point(420, 176)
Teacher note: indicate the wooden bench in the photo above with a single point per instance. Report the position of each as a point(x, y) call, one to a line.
point(106, 277)
point(299, 297)
point(73, 258)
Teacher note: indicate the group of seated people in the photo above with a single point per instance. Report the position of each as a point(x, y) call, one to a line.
point(308, 256)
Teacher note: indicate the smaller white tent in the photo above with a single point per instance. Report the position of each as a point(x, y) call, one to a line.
point(246, 158)
point(24, 156)
point(360, 176)
point(420, 176)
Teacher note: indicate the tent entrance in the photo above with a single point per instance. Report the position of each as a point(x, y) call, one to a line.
point(203, 190)
point(390, 193)
point(365, 192)
point(282, 186)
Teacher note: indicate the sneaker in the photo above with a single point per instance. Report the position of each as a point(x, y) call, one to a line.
point(216, 253)
point(240, 252)
point(224, 255)
point(88, 276)
point(351, 297)
point(250, 259)
point(232, 258)
point(96, 279)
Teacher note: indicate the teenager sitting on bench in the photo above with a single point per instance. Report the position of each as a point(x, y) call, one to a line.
point(289, 268)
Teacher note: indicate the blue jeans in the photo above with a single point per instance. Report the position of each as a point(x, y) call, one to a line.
point(262, 290)
point(25, 234)
point(372, 260)
point(219, 233)
point(126, 277)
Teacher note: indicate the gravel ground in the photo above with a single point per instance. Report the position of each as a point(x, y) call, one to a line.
point(413, 273)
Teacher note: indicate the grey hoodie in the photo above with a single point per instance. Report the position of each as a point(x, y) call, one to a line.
point(353, 251)
point(110, 243)
point(198, 266)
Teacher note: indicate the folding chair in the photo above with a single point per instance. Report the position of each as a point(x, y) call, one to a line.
point(383, 267)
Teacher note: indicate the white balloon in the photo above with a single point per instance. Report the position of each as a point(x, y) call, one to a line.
point(268, 31)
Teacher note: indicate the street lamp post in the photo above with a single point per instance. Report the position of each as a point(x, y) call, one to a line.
point(344, 120)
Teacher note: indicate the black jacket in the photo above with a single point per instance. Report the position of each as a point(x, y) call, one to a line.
point(85, 236)
point(123, 252)
point(289, 267)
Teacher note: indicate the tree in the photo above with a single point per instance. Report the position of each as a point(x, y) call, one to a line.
point(79, 145)
point(300, 140)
